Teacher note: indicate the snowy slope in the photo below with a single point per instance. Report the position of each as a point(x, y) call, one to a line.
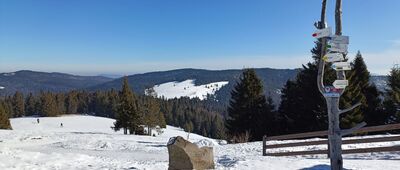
point(87, 142)
point(187, 88)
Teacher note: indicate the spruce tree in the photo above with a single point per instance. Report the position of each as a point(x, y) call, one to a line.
point(19, 104)
point(30, 105)
point(303, 108)
point(4, 121)
point(361, 90)
point(127, 113)
point(392, 98)
point(217, 128)
point(151, 113)
point(247, 107)
point(48, 104)
point(72, 103)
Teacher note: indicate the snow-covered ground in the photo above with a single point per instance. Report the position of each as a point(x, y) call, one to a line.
point(87, 142)
point(187, 88)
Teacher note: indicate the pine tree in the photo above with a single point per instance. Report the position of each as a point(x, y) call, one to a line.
point(60, 103)
point(30, 105)
point(361, 90)
point(4, 121)
point(217, 128)
point(19, 104)
point(303, 108)
point(72, 103)
point(151, 113)
point(247, 107)
point(392, 98)
point(127, 113)
point(48, 104)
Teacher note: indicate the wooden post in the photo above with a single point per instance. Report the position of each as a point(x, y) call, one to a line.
point(334, 136)
point(264, 147)
point(334, 131)
point(321, 64)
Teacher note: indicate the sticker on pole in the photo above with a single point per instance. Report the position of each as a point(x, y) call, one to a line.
point(340, 84)
point(331, 91)
point(341, 66)
point(333, 57)
point(337, 39)
point(320, 33)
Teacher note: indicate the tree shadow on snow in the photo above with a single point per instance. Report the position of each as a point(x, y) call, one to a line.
point(320, 167)
point(226, 161)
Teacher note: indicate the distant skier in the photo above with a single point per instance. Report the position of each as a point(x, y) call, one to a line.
point(61, 125)
point(38, 120)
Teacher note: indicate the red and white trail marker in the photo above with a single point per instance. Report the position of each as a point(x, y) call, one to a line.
point(320, 33)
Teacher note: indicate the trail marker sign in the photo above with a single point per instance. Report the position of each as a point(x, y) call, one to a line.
point(340, 84)
point(337, 39)
point(341, 48)
point(341, 66)
point(320, 33)
point(333, 57)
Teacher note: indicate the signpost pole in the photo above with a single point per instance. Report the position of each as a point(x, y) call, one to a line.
point(332, 94)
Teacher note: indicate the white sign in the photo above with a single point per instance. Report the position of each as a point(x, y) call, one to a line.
point(340, 84)
point(326, 32)
point(339, 39)
point(341, 48)
point(341, 66)
point(333, 57)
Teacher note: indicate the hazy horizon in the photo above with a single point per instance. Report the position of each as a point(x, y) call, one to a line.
point(130, 37)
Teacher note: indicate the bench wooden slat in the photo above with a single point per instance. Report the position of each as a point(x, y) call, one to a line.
point(321, 142)
point(349, 151)
point(325, 133)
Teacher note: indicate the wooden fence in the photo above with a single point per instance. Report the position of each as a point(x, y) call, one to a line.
point(325, 142)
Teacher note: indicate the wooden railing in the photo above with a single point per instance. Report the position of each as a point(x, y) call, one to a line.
point(325, 142)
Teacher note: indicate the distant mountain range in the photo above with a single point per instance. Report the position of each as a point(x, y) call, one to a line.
point(273, 79)
point(31, 81)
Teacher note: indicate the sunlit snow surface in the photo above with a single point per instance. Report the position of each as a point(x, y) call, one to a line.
point(87, 142)
point(187, 88)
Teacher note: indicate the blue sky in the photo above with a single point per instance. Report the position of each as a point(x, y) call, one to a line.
point(92, 37)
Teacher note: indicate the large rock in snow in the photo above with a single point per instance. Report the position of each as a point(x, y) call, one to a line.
point(186, 155)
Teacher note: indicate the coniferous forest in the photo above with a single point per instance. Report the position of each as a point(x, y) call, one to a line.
point(249, 115)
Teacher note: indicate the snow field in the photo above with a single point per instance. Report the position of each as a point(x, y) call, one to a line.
point(187, 88)
point(88, 142)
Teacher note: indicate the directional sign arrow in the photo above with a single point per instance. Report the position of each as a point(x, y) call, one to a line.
point(340, 84)
point(341, 66)
point(320, 33)
point(339, 39)
point(341, 48)
point(333, 57)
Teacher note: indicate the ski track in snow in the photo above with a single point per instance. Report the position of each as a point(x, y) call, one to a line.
point(87, 142)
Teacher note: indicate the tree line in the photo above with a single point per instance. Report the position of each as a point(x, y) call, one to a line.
point(250, 113)
point(130, 110)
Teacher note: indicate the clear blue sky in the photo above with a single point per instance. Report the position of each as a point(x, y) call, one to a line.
point(91, 37)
